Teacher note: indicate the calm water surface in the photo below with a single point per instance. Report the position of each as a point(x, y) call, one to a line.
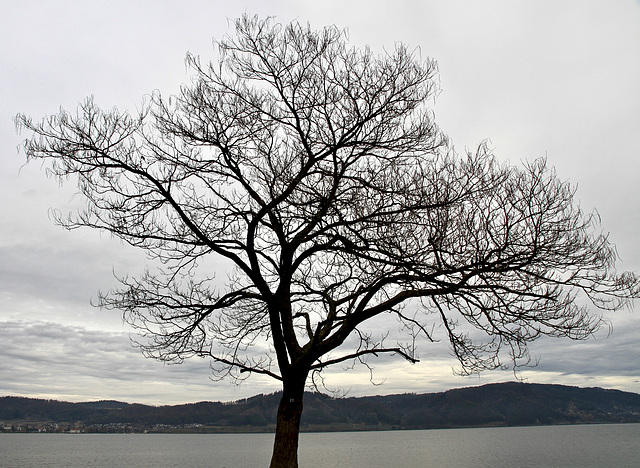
point(616, 445)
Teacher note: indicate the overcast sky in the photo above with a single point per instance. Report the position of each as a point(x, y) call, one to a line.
point(539, 78)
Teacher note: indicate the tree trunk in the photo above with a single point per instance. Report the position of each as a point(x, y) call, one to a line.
point(285, 446)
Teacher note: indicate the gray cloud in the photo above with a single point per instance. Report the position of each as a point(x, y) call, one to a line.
point(47, 359)
point(617, 354)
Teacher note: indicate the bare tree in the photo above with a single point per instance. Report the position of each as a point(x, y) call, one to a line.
point(316, 170)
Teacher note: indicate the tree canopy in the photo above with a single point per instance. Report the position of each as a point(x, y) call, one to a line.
point(316, 171)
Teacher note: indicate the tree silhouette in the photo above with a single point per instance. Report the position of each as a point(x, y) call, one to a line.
point(317, 172)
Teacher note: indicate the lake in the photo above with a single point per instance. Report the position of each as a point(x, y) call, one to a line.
point(615, 445)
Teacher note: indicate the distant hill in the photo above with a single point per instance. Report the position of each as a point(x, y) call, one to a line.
point(505, 404)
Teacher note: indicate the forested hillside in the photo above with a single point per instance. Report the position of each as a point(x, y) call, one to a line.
point(505, 404)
